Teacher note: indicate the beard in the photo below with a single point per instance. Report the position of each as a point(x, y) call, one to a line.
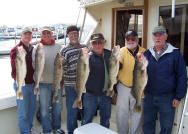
point(131, 46)
point(74, 41)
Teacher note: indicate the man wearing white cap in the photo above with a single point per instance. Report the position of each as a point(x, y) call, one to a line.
point(49, 124)
point(26, 106)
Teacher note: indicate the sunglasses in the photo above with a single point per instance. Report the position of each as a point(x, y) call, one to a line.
point(97, 42)
point(132, 39)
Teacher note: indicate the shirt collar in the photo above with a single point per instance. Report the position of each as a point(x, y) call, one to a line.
point(170, 49)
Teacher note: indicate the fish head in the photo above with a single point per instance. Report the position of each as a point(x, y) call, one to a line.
point(59, 58)
point(20, 52)
point(84, 55)
point(40, 45)
point(40, 49)
point(116, 52)
point(141, 61)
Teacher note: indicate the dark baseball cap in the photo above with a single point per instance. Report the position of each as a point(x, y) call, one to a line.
point(131, 32)
point(97, 36)
point(159, 29)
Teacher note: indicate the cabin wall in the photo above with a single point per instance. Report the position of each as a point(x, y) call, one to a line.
point(103, 14)
point(8, 121)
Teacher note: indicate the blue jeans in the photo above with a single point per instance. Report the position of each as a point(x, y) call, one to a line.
point(53, 121)
point(71, 112)
point(162, 105)
point(26, 108)
point(91, 103)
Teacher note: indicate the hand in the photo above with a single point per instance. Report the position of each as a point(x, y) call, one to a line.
point(85, 50)
point(62, 60)
point(175, 103)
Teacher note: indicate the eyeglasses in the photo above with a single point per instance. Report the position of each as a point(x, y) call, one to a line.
point(73, 33)
point(46, 32)
point(97, 42)
point(128, 39)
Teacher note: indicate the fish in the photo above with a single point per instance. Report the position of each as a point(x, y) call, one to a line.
point(113, 69)
point(58, 74)
point(140, 78)
point(21, 70)
point(82, 73)
point(39, 66)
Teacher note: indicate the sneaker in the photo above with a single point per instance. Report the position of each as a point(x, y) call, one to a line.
point(34, 131)
point(59, 131)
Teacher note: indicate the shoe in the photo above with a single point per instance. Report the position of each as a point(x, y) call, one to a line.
point(34, 131)
point(59, 131)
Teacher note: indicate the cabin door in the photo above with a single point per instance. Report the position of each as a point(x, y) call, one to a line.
point(131, 19)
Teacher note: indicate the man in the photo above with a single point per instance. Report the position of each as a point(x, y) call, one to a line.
point(127, 120)
point(70, 55)
point(26, 106)
point(51, 49)
point(166, 84)
point(97, 83)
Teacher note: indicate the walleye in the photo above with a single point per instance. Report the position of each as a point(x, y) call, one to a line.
point(39, 66)
point(82, 75)
point(139, 80)
point(113, 68)
point(58, 73)
point(21, 70)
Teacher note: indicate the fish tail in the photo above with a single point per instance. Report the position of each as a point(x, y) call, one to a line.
point(77, 104)
point(19, 95)
point(36, 90)
point(55, 98)
point(137, 108)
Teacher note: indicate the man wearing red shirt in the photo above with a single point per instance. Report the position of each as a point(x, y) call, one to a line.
point(27, 105)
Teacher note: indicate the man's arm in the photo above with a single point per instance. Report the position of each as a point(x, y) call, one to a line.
point(181, 75)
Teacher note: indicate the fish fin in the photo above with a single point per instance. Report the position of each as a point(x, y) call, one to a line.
point(77, 104)
point(84, 91)
point(137, 108)
point(110, 93)
point(19, 95)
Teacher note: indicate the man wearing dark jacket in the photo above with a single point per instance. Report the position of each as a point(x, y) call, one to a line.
point(97, 83)
point(166, 84)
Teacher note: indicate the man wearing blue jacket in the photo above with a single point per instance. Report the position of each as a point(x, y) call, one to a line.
point(167, 82)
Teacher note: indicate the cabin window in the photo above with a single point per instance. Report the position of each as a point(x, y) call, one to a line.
point(177, 27)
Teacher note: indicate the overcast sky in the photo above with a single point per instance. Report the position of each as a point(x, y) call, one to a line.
point(38, 12)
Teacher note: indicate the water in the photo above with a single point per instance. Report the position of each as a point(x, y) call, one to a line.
point(6, 80)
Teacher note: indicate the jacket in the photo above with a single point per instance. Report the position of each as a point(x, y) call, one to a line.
point(167, 75)
point(96, 78)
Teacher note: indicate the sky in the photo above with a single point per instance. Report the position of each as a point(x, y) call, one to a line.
point(38, 12)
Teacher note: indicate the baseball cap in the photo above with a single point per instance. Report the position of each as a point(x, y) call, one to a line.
point(46, 28)
point(131, 32)
point(97, 36)
point(159, 29)
point(25, 30)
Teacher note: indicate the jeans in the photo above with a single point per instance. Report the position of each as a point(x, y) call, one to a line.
point(91, 103)
point(71, 112)
point(26, 108)
point(53, 121)
point(162, 105)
